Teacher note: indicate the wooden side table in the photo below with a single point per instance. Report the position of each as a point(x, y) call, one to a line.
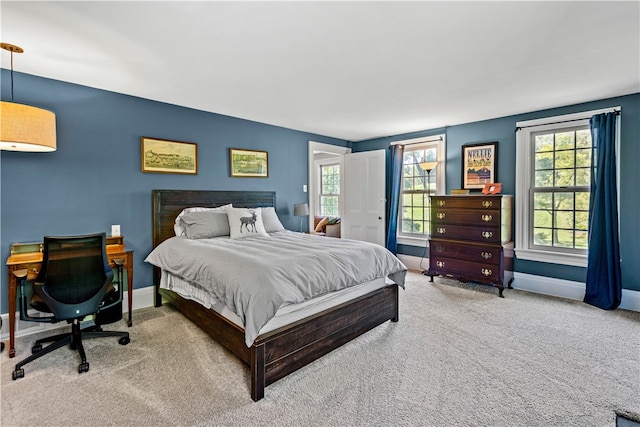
point(32, 261)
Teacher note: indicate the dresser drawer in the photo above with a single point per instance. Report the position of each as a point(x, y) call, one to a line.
point(467, 202)
point(465, 251)
point(460, 216)
point(462, 232)
point(465, 270)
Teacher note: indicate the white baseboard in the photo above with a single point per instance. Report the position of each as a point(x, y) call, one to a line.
point(542, 285)
point(142, 298)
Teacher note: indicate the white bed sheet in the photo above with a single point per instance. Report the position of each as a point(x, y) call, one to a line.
point(285, 315)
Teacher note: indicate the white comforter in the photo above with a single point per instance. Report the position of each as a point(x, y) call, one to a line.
point(256, 276)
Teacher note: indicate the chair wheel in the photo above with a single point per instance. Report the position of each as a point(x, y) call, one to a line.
point(124, 340)
point(36, 348)
point(83, 367)
point(18, 373)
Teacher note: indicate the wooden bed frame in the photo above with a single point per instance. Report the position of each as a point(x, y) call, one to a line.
point(275, 354)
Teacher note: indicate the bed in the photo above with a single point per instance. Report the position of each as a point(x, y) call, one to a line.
point(276, 353)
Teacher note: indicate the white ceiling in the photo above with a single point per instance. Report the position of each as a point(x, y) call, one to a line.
point(351, 70)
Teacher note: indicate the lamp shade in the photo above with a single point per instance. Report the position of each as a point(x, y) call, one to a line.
point(301, 209)
point(428, 166)
point(26, 128)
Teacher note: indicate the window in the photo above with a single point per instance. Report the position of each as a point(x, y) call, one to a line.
point(560, 207)
point(553, 164)
point(329, 189)
point(417, 186)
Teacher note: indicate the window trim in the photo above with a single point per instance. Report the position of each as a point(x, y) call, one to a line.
point(440, 175)
point(524, 181)
point(330, 161)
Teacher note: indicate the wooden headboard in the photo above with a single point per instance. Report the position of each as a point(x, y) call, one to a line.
point(167, 204)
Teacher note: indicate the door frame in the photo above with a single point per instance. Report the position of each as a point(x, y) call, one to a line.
point(319, 147)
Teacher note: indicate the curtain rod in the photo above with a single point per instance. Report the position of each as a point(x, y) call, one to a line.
point(613, 110)
point(420, 140)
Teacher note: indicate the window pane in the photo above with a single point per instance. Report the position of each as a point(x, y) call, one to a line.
point(564, 178)
point(582, 240)
point(582, 201)
point(564, 159)
point(544, 160)
point(565, 140)
point(564, 201)
point(544, 179)
point(583, 177)
point(542, 236)
point(542, 219)
point(544, 142)
point(583, 138)
point(583, 158)
point(563, 238)
point(542, 201)
point(582, 220)
point(564, 219)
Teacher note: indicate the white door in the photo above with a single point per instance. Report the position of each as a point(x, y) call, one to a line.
point(364, 213)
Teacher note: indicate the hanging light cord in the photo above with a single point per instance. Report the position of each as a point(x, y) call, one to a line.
point(11, 76)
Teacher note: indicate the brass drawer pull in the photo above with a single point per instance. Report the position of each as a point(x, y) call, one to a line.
point(487, 234)
point(440, 215)
point(486, 218)
point(486, 255)
point(487, 203)
point(486, 272)
point(440, 264)
point(441, 202)
point(441, 230)
point(440, 249)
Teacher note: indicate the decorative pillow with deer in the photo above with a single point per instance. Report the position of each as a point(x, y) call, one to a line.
point(245, 222)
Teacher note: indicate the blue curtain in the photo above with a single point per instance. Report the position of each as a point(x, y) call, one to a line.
point(397, 152)
point(604, 283)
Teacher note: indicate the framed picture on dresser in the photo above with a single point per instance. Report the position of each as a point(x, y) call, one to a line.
point(479, 165)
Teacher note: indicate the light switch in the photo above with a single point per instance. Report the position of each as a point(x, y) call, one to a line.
point(115, 230)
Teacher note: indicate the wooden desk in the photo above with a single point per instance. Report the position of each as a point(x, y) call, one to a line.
point(32, 262)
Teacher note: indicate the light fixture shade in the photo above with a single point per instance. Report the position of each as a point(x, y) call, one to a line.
point(301, 209)
point(26, 128)
point(428, 166)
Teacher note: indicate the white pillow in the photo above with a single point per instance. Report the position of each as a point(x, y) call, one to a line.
point(178, 226)
point(270, 220)
point(245, 223)
point(205, 224)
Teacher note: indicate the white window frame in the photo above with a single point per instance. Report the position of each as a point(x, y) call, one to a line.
point(524, 245)
point(439, 174)
point(335, 161)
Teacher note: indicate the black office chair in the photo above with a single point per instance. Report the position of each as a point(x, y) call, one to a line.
point(75, 281)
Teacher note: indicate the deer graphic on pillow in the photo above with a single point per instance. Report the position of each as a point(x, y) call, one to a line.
point(247, 222)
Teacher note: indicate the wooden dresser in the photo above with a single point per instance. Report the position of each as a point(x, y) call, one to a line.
point(469, 237)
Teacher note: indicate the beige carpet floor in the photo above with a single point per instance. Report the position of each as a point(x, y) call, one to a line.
point(459, 356)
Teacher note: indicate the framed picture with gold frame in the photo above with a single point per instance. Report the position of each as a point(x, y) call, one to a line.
point(248, 163)
point(165, 156)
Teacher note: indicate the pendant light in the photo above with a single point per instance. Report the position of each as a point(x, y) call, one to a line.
point(23, 127)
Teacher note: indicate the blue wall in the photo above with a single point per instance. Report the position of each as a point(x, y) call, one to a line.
point(94, 179)
point(503, 131)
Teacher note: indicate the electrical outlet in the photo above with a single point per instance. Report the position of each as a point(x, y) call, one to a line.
point(115, 230)
point(304, 188)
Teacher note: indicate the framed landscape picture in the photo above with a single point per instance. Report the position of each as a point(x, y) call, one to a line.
point(479, 165)
point(248, 163)
point(164, 156)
